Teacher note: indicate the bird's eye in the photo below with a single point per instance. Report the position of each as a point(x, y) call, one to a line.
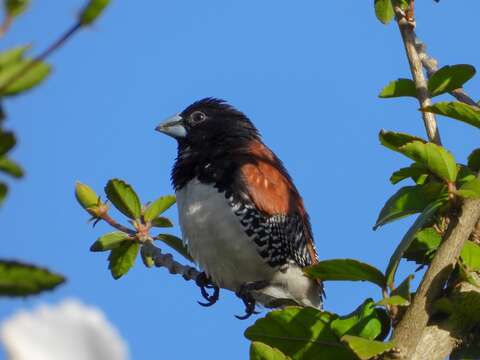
point(198, 117)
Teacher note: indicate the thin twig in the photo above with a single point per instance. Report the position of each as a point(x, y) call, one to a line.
point(5, 26)
point(109, 220)
point(52, 48)
point(410, 13)
point(406, 27)
point(431, 66)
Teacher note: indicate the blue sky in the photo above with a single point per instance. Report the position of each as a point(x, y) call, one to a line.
point(307, 74)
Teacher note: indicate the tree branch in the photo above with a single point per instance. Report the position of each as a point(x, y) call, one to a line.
point(438, 340)
point(409, 331)
point(167, 261)
point(431, 66)
point(406, 26)
point(413, 336)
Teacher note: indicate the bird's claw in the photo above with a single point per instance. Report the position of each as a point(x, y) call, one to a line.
point(249, 301)
point(204, 283)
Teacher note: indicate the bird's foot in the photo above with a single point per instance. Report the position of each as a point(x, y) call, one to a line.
point(245, 294)
point(204, 283)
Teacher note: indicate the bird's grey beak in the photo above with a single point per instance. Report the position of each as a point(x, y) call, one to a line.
point(173, 127)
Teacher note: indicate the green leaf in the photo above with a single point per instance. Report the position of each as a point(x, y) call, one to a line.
point(393, 300)
point(7, 142)
point(146, 257)
point(395, 140)
point(367, 349)
point(414, 171)
point(465, 175)
point(384, 10)
point(456, 110)
point(176, 244)
point(401, 295)
point(3, 192)
point(466, 275)
point(124, 198)
point(345, 269)
point(449, 78)
point(261, 351)
point(85, 195)
point(301, 333)
point(34, 77)
point(10, 167)
point(427, 242)
point(12, 55)
point(409, 200)
point(122, 258)
point(399, 88)
point(92, 11)
point(470, 256)
point(158, 207)
point(435, 158)
point(162, 222)
point(109, 241)
point(422, 219)
point(365, 321)
point(19, 279)
point(474, 160)
point(15, 8)
point(423, 247)
point(470, 190)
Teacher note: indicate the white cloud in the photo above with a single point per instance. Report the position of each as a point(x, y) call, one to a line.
point(69, 330)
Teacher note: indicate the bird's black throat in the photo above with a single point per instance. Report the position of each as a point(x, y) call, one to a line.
point(214, 150)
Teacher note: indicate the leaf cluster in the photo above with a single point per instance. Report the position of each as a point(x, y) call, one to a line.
point(124, 244)
point(307, 333)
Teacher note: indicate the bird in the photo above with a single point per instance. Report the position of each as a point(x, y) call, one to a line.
point(240, 214)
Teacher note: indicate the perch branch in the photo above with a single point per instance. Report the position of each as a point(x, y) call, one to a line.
point(167, 261)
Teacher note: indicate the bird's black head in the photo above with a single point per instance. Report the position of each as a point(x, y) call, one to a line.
point(210, 122)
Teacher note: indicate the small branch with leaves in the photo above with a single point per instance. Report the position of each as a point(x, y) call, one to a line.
point(406, 24)
point(125, 243)
point(445, 248)
point(18, 74)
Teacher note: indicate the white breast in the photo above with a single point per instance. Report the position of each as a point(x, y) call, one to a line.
point(218, 243)
point(216, 239)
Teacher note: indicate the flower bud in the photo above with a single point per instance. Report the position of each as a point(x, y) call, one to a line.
point(86, 197)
